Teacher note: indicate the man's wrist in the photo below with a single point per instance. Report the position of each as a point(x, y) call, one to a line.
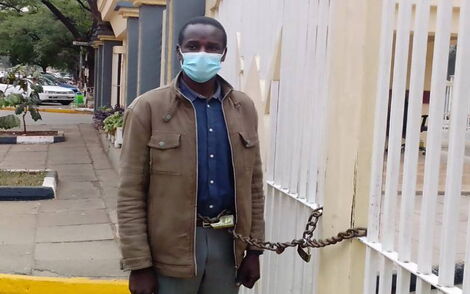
point(142, 269)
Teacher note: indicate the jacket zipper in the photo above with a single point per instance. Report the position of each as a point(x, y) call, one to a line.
point(234, 180)
point(197, 179)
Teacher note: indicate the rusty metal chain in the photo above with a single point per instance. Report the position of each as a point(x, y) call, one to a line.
point(306, 241)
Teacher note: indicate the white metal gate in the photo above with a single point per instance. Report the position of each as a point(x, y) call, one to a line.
point(394, 246)
point(297, 121)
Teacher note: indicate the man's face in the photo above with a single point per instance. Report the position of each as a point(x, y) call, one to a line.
point(202, 37)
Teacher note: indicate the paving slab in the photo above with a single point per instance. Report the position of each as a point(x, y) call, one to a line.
point(75, 172)
point(30, 148)
point(4, 148)
point(110, 202)
point(70, 155)
point(71, 205)
point(76, 217)
point(22, 231)
point(75, 233)
point(108, 177)
point(101, 164)
point(16, 259)
point(78, 190)
point(24, 160)
point(99, 158)
point(16, 208)
point(87, 259)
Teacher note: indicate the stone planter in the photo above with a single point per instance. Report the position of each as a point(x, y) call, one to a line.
point(118, 137)
point(47, 190)
point(31, 137)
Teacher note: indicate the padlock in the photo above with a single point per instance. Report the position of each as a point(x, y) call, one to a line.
point(305, 255)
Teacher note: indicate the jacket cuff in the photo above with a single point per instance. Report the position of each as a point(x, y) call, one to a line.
point(257, 252)
point(253, 248)
point(130, 264)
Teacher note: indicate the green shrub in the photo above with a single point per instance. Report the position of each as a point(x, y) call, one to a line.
point(112, 122)
point(22, 103)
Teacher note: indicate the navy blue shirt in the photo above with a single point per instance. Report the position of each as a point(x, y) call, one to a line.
point(215, 172)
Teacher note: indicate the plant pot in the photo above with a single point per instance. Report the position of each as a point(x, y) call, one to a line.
point(118, 140)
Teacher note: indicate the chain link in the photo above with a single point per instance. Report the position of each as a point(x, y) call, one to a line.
point(307, 240)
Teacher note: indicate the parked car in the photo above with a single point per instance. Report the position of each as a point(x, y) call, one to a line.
point(51, 91)
point(61, 82)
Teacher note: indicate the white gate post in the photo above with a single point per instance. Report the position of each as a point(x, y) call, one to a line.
point(352, 82)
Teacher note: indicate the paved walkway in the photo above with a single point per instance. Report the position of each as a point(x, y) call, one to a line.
point(74, 234)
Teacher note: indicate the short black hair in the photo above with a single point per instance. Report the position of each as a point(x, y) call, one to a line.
point(203, 20)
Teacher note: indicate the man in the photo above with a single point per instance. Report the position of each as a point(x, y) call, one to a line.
point(190, 153)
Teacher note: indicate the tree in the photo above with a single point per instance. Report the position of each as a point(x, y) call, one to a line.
point(29, 35)
point(38, 40)
point(22, 102)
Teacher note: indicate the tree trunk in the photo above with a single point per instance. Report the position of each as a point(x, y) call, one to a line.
point(64, 19)
point(24, 119)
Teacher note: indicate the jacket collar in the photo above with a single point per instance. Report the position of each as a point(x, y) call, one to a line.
point(177, 96)
point(226, 88)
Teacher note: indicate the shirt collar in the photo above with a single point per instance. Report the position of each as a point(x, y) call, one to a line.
point(193, 95)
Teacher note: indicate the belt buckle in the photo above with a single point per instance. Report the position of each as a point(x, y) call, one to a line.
point(225, 221)
point(206, 225)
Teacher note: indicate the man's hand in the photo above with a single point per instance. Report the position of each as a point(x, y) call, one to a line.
point(249, 273)
point(143, 281)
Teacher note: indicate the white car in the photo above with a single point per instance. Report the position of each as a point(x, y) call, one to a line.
point(51, 92)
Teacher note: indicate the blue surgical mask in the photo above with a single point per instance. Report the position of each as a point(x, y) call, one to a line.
point(201, 66)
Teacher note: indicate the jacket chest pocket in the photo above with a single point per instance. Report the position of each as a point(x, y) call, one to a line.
point(165, 153)
point(245, 149)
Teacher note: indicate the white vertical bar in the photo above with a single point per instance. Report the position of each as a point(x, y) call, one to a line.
point(422, 287)
point(418, 65)
point(299, 115)
point(385, 279)
point(288, 88)
point(466, 277)
point(279, 156)
point(310, 269)
point(434, 136)
point(270, 217)
point(277, 224)
point(311, 99)
point(273, 126)
point(323, 106)
point(371, 269)
point(403, 281)
point(396, 123)
point(321, 53)
point(287, 265)
point(282, 279)
point(458, 124)
point(386, 39)
point(299, 264)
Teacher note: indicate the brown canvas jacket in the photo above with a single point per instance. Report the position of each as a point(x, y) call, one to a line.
point(158, 179)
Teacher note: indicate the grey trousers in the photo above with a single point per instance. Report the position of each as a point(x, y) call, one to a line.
point(215, 267)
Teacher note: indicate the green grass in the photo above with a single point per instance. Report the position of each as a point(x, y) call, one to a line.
point(13, 178)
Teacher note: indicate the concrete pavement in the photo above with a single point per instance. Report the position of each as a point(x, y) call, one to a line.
point(74, 234)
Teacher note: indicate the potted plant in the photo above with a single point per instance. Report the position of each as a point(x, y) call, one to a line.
point(111, 125)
